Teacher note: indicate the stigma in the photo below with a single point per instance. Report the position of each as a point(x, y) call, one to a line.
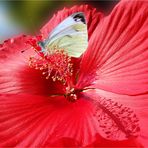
point(71, 94)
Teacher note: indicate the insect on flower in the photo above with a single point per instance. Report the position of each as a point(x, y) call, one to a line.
point(82, 81)
point(68, 40)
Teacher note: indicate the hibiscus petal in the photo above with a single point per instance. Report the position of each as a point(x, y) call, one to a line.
point(37, 121)
point(100, 142)
point(132, 142)
point(117, 122)
point(118, 51)
point(15, 74)
point(29, 120)
point(92, 17)
point(139, 104)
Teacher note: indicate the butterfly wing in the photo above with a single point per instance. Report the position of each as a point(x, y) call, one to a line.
point(70, 35)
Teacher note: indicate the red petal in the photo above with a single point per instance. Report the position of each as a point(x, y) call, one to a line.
point(100, 142)
point(118, 50)
point(29, 120)
point(15, 74)
point(137, 103)
point(125, 143)
point(92, 17)
point(37, 121)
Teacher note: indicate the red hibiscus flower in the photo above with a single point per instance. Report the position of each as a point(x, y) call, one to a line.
point(105, 101)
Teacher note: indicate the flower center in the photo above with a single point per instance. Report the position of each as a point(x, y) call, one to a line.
point(72, 94)
point(54, 64)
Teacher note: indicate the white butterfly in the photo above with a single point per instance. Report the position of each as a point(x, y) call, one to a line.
point(70, 35)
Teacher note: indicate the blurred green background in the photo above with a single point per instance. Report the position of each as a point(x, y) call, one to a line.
point(29, 15)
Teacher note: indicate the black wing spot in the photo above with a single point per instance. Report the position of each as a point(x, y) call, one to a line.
point(79, 17)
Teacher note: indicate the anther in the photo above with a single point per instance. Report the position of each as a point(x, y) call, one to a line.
point(56, 62)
